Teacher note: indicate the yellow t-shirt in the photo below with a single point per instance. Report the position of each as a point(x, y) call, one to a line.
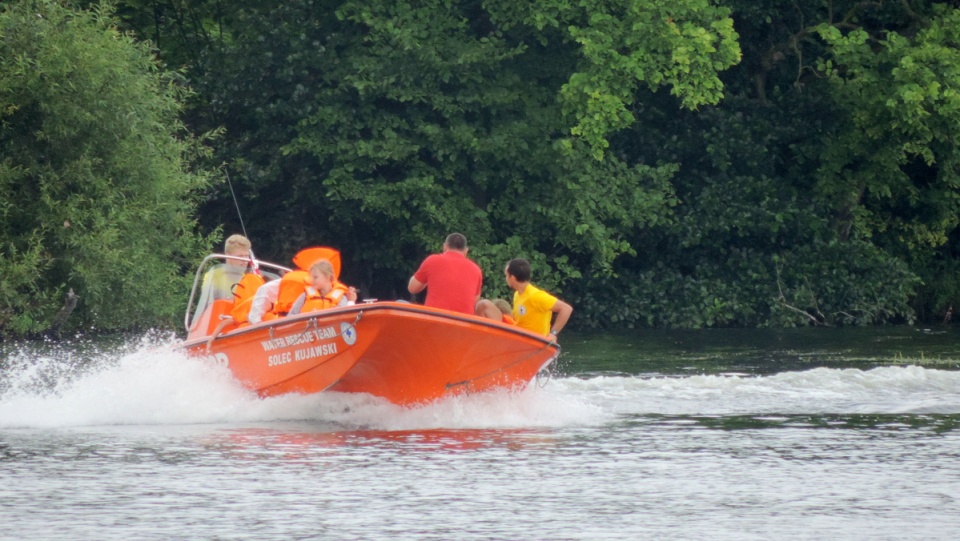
point(533, 309)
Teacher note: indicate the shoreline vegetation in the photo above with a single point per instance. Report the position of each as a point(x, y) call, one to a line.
point(691, 165)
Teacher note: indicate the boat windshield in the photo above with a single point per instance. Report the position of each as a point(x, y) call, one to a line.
point(216, 279)
point(218, 283)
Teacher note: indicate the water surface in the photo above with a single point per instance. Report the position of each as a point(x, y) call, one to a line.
point(803, 434)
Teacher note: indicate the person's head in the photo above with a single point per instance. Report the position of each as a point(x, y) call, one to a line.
point(239, 246)
point(518, 269)
point(322, 276)
point(455, 242)
point(503, 306)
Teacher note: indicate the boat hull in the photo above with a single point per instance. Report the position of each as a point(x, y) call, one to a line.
point(405, 353)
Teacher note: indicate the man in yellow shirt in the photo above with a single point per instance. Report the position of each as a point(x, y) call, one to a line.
point(533, 308)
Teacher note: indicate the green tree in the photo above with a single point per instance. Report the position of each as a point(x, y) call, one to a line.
point(804, 197)
point(591, 137)
point(95, 170)
point(894, 171)
point(381, 127)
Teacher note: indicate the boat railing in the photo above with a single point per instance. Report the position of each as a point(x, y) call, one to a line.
point(271, 271)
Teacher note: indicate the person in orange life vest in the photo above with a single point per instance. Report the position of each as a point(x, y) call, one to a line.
point(497, 310)
point(218, 282)
point(533, 308)
point(506, 311)
point(265, 301)
point(284, 294)
point(325, 292)
point(452, 281)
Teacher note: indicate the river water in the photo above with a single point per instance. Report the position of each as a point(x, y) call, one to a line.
point(803, 434)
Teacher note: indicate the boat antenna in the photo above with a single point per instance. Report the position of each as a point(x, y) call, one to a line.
point(235, 203)
point(254, 264)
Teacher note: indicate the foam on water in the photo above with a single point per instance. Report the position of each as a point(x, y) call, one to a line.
point(883, 390)
point(152, 384)
point(148, 384)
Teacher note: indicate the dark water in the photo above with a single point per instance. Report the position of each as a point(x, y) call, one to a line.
point(763, 351)
point(720, 434)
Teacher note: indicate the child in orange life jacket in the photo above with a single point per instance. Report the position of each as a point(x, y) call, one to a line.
point(497, 310)
point(506, 310)
point(325, 292)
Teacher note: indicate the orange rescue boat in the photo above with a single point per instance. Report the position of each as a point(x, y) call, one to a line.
point(406, 353)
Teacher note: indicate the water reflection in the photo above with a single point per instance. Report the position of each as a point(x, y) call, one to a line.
point(936, 424)
point(293, 444)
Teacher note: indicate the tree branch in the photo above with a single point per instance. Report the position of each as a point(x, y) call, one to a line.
point(782, 299)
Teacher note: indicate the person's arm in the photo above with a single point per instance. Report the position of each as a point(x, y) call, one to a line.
point(263, 300)
point(349, 298)
point(418, 282)
point(297, 305)
point(415, 286)
point(563, 311)
point(487, 309)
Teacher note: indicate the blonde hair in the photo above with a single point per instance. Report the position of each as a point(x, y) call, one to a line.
point(324, 267)
point(234, 242)
point(503, 306)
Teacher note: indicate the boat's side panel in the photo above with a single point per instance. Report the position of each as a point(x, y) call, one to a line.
point(404, 353)
point(420, 356)
point(304, 355)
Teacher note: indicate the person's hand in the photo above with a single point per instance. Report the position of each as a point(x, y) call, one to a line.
point(352, 294)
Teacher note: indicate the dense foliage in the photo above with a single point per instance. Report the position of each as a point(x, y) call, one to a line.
point(815, 193)
point(381, 126)
point(96, 190)
point(688, 163)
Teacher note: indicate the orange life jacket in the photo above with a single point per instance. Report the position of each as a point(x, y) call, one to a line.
point(292, 285)
point(308, 256)
point(508, 320)
point(316, 301)
point(243, 294)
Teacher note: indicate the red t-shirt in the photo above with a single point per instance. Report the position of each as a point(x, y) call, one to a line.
point(453, 281)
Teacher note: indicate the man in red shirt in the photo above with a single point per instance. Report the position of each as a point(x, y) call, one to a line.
point(452, 281)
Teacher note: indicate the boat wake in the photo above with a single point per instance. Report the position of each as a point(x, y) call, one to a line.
point(152, 385)
point(882, 390)
point(147, 384)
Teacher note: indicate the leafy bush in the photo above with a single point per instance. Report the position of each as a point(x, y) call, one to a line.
point(95, 170)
